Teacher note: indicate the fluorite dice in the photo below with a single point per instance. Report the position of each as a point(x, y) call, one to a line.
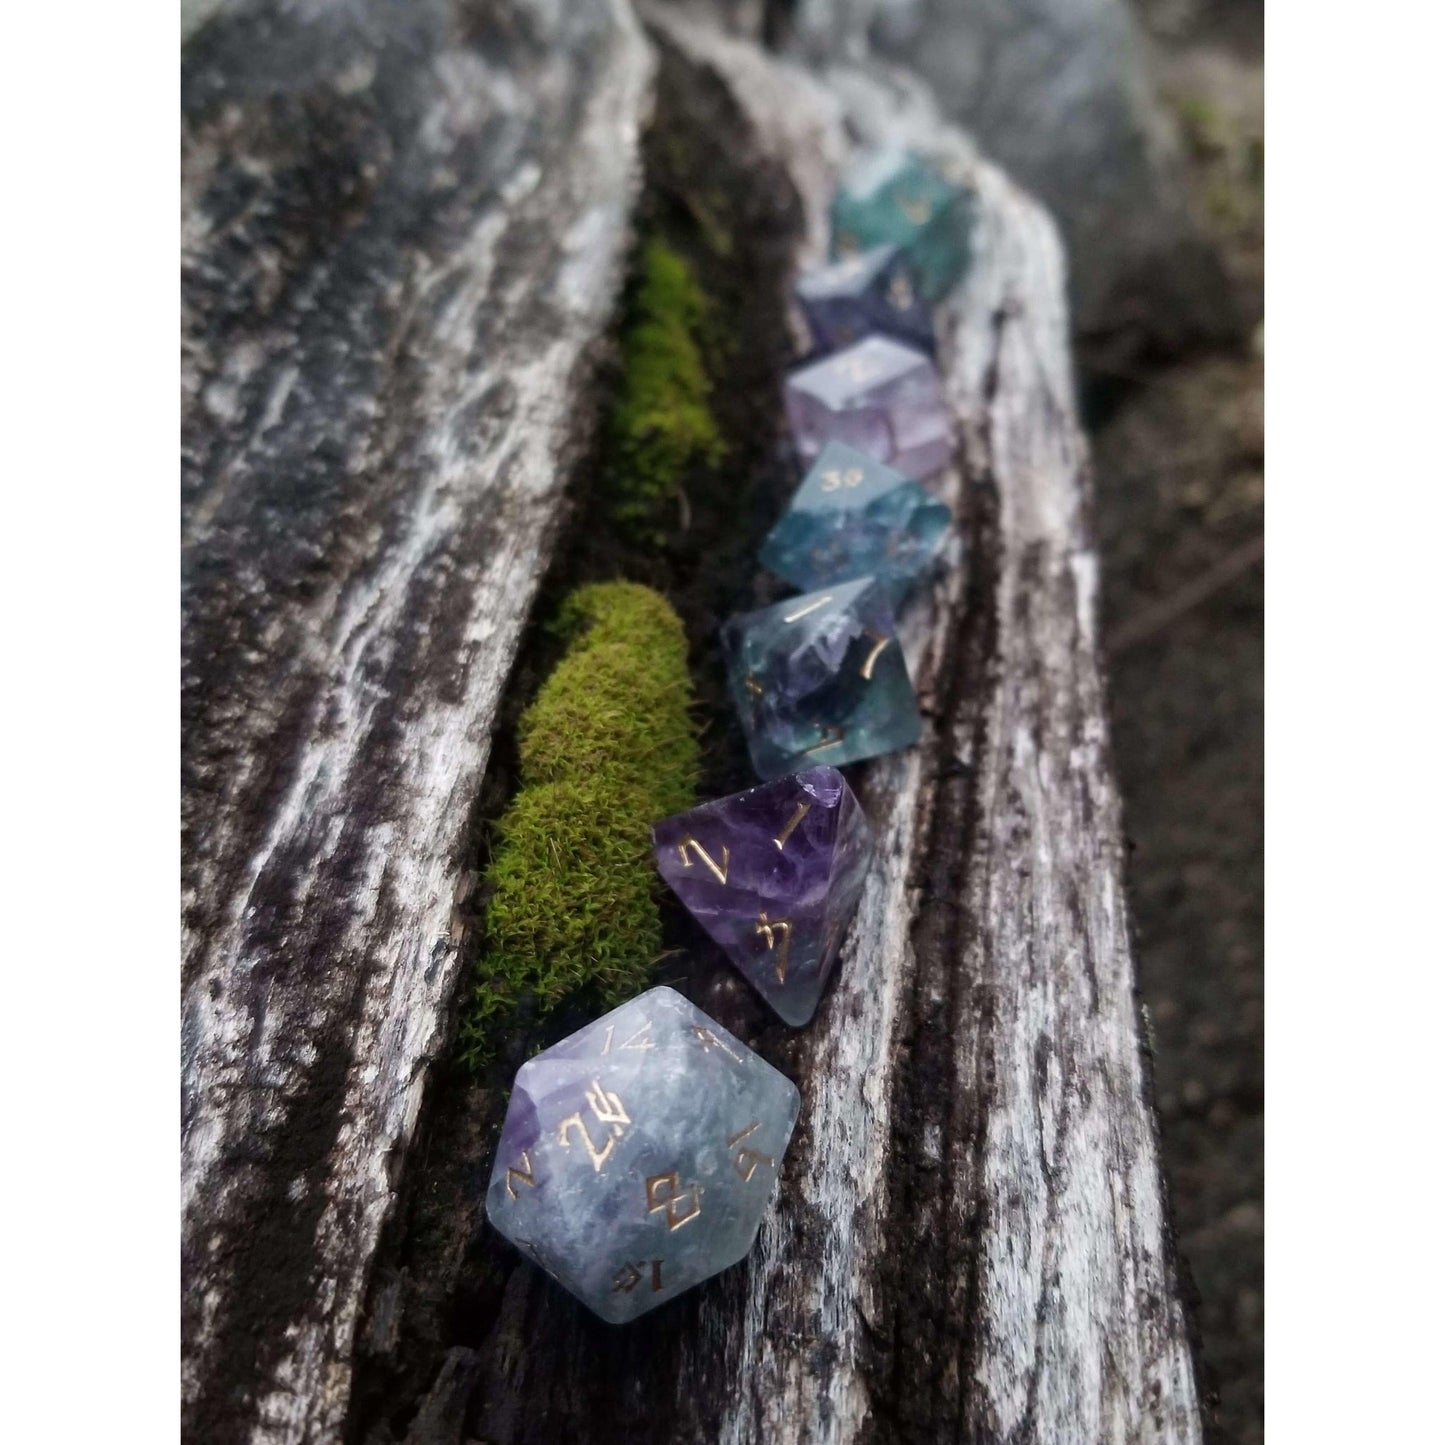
point(639, 1155)
point(892, 197)
point(821, 679)
point(877, 396)
point(853, 517)
point(773, 874)
point(860, 295)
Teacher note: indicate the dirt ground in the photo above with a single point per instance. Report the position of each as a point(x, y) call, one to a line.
point(1179, 455)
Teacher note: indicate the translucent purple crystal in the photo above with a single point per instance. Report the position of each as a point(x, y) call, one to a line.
point(877, 396)
point(773, 874)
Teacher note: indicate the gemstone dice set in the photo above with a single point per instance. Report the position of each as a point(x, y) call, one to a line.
point(639, 1155)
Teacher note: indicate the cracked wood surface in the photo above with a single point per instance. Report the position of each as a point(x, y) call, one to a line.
point(403, 232)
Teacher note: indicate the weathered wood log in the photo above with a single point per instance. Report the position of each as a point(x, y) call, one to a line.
point(970, 1241)
point(404, 231)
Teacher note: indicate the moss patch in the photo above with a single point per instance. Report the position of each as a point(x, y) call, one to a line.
point(608, 747)
point(662, 424)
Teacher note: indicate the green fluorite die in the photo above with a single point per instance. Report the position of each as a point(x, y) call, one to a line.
point(855, 517)
point(821, 679)
point(892, 197)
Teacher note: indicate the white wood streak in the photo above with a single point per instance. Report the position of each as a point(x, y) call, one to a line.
point(410, 977)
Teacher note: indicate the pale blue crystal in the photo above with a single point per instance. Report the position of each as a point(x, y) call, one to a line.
point(853, 517)
point(639, 1155)
point(821, 679)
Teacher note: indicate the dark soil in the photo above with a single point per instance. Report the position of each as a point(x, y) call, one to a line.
point(1179, 456)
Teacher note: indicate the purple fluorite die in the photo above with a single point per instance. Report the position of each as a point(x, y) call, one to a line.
point(773, 874)
point(639, 1155)
point(847, 300)
point(883, 398)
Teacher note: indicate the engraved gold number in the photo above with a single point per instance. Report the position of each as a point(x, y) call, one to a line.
point(721, 874)
point(798, 816)
point(746, 1161)
point(665, 1192)
point(710, 1041)
point(832, 736)
point(522, 1174)
point(833, 479)
point(641, 1041)
point(638, 1043)
point(879, 644)
point(630, 1276)
point(858, 368)
point(608, 1109)
point(900, 293)
point(770, 929)
point(811, 607)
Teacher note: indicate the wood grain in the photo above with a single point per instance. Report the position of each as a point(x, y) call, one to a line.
point(403, 235)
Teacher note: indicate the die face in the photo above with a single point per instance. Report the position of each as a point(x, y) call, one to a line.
point(851, 517)
point(861, 295)
point(821, 679)
point(895, 198)
point(773, 874)
point(879, 397)
point(639, 1155)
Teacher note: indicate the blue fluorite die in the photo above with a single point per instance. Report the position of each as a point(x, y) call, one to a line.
point(639, 1155)
point(855, 517)
point(774, 875)
point(821, 679)
point(853, 298)
point(892, 197)
point(878, 396)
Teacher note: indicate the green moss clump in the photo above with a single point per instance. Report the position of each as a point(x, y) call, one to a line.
point(662, 424)
point(608, 747)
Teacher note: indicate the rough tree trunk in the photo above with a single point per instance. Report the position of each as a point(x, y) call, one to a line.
point(402, 248)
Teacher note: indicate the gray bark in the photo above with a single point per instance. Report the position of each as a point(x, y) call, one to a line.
point(403, 230)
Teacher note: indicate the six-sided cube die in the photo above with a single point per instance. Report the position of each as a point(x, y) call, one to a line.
point(877, 396)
